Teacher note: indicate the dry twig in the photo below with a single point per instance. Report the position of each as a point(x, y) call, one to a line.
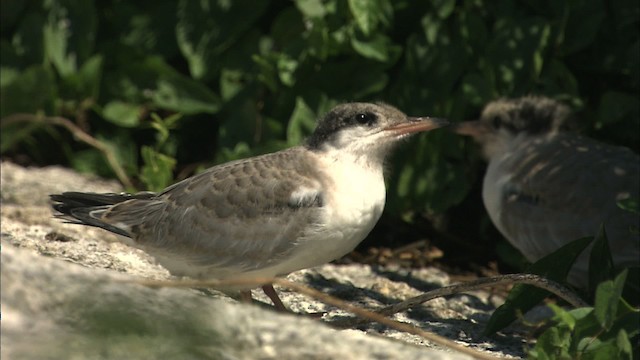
point(79, 134)
point(327, 299)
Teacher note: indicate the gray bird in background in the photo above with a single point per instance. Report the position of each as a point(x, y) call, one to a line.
point(268, 215)
point(545, 187)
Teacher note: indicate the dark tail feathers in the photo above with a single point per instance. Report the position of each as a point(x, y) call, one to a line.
point(77, 207)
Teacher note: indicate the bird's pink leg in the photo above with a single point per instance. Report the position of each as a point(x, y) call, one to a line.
point(271, 293)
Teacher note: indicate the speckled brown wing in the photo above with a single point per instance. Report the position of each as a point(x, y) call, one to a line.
point(548, 191)
point(240, 216)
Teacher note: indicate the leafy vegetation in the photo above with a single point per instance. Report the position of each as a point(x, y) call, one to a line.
point(151, 91)
point(603, 331)
point(249, 77)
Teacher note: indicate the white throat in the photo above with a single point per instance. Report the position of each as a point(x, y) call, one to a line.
point(354, 200)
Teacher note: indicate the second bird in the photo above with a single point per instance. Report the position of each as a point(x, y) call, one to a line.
point(545, 186)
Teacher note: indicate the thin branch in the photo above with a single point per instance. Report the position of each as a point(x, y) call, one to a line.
point(327, 299)
point(509, 279)
point(79, 134)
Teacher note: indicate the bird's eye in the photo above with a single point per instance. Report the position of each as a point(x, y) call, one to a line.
point(366, 118)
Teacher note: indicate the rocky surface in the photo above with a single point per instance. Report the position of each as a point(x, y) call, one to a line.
point(69, 291)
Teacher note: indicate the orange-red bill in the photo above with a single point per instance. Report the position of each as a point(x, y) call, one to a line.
point(417, 124)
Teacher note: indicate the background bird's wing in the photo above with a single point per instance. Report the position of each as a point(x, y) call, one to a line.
point(562, 188)
point(239, 216)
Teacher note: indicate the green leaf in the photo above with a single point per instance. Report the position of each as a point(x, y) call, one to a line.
point(145, 26)
point(207, 28)
point(522, 298)
point(563, 317)
point(286, 69)
point(444, 8)
point(608, 296)
point(85, 83)
point(379, 47)
point(552, 344)
point(157, 172)
point(180, 93)
point(601, 266)
point(69, 34)
point(122, 113)
point(33, 90)
point(365, 13)
point(311, 8)
point(632, 205)
point(624, 345)
point(301, 123)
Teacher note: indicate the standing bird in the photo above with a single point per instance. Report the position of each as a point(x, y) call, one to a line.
point(546, 186)
point(268, 215)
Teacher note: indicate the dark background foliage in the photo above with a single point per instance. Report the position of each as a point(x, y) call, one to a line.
point(170, 87)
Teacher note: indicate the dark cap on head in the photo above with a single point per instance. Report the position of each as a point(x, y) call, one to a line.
point(530, 114)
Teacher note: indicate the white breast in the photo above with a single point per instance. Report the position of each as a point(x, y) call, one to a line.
point(354, 197)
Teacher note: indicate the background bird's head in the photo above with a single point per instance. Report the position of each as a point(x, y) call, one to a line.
point(503, 120)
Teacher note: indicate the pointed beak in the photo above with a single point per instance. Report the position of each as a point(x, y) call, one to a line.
point(473, 128)
point(417, 124)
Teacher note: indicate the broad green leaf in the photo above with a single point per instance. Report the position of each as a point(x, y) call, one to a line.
point(8, 75)
point(69, 34)
point(624, 345)
point(15, 134)
point(608, 296)
point(33, 90)
point(145, 26)
point(286, 69)
point(369, 13)
point(554, 266)
point(632, 205)
point(122, 113)
point(94, 161)
point(378, 47)
point(364, 13)
point(311, 8)
point(91, 74)
point(563, 317)
point(444, 8)
point(207, 28)
point(422, 178)
point(301, 123)
point(231, 83)
point(85, 83)
point(90, 161)
point(516, 53)
point(157, 171)
point(180, 93)
point(600, 260)
point(552, 344)
point(476, 89)
point(268, 73)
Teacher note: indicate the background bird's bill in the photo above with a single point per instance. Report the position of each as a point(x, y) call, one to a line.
point(474, 128)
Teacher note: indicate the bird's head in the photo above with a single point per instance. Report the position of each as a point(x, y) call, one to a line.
point(366, 129)
point(503, 120)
